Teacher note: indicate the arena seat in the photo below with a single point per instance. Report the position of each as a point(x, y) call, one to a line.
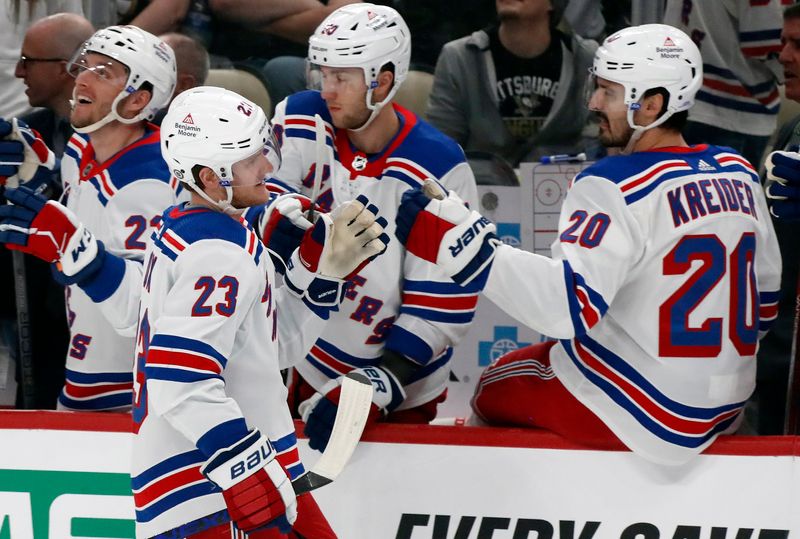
point(243, 81)
point(413, 93)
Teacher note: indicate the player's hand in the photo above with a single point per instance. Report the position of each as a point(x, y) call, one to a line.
point(341, 243)
point(45, 229)
point(256, 488)
point(319, 412)
point(783, 183)
point(22, 152)
point(281, 226)
point(439, 228)
point(334, 249)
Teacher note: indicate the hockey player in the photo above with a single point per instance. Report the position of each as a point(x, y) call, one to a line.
point(214, 437)
point(401, 316)
point(117, 185)
point(664, 273)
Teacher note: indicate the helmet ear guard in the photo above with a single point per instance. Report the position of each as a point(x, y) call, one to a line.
point(215, 128)
point(150, 63)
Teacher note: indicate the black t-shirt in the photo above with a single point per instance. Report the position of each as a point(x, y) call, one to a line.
point(526, 87)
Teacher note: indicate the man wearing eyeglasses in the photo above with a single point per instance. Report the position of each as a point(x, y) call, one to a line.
point(46, 48)
point(48, 45)
point(116, 185)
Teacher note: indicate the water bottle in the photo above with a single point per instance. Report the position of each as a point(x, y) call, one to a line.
point(198, 23)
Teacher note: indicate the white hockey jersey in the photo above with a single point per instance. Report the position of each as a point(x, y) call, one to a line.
point(397, 302)
point(207, 364)
point(120, 201)
point(740, 41)
point(664, 275)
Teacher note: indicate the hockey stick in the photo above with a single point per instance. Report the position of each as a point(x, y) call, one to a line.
point(351, 417)
point(24, 330)
point(321, 156)
point(27, 380)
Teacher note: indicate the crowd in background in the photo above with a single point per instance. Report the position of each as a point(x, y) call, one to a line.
point(509, 85)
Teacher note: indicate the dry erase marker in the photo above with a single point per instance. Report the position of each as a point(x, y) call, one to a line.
point(562, 158)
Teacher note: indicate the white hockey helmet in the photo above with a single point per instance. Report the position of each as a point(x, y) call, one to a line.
point(650, 56)
point(215, 128)
point(366, 36)
point(148, 60)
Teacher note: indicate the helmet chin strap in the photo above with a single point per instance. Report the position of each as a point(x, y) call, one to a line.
point(108, 118)
point(225, 205)
point(638, 130)
point(376, 107)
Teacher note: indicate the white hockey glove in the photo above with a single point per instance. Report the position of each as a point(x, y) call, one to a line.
point(439, 228)
point(256, 488)
point(337, 247)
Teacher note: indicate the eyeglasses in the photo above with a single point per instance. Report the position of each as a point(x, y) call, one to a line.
point(25, 60)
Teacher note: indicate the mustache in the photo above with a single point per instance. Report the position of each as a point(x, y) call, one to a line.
point(600, 116)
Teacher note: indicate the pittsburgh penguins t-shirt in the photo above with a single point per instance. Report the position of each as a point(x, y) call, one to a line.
point(526, 87)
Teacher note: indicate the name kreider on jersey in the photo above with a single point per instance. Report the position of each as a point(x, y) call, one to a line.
point(695, 199)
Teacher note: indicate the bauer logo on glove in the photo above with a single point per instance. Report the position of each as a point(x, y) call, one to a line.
point(470, 234)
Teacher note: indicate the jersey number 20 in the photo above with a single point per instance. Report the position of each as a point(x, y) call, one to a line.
point(676, 337)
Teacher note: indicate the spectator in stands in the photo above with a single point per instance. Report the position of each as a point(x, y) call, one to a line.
point(48, 45)
point(516, 88)
point(191, 59)
point(46, 48)
point(279, 29)
point(192, 62)
point(15, 18)
point(740, 41)
point(774, 355)
point(156, 16)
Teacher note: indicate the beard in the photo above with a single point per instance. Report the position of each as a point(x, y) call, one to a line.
point(353, 121)
point(610, 139)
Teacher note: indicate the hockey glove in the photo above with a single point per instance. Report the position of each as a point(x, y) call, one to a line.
point(319, 412)
point(337, 247)
point(23, 153)
point(783, 183)
point(47, 230)
point(256, 488)
point(282, 225)
point(439, 228)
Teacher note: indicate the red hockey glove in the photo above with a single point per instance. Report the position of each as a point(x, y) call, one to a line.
point(256, 488)
point(47, 230)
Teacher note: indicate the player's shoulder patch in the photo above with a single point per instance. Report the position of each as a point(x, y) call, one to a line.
point(307, 103)
point(183, 225)
point(428, 149)
point(729, 159)
point(621, 169)
point(140, 160)
point(76, 146)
